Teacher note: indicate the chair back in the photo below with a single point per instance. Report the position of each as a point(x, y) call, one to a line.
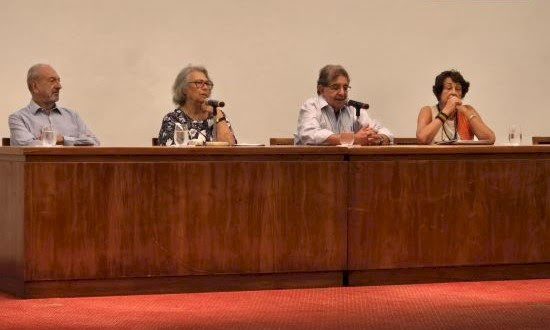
point(281, 141)
point(541, 139)
point(405, 141)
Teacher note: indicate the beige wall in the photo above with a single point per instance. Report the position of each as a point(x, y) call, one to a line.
point(118, 58)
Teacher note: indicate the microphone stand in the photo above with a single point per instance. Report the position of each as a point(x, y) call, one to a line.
point(357, 112)
point(215, 128)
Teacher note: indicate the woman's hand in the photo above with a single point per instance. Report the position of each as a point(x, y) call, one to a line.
point(451, 106)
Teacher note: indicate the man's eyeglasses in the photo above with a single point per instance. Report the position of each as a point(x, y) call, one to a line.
point(336, 87)
point(202, 83)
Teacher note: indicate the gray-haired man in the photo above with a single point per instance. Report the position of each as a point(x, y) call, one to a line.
point(26, 124)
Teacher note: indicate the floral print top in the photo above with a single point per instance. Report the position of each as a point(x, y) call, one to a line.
point(201, 130)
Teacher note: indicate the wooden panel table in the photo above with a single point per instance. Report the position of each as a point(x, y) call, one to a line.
point(95, 220)
point(438, 213)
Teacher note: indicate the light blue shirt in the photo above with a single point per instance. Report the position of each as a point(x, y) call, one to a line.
point(317, 121)
point(26, 126)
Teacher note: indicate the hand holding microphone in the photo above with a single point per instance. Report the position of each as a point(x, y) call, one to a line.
point(215, 104)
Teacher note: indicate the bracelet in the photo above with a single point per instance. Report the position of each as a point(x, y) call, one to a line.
point(472, 116)
point(440, 118)
point(446, 116)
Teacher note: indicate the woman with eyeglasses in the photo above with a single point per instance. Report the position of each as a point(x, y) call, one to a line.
point(191, 89)
point(451, 119)
point(327, 119)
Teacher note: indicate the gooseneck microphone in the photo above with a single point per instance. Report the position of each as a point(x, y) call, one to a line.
point(216, 103)
point(358, 106)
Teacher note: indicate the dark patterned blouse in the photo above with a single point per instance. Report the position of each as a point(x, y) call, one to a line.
point(201, 130)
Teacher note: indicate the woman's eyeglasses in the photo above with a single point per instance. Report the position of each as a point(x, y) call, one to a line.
point(202, 83)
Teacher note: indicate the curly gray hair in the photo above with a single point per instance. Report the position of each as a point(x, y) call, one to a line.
point(179, 96)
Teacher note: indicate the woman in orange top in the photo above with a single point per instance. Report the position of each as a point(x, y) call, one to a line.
point(450, 119)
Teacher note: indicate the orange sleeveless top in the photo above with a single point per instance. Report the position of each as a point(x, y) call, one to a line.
point(463, 127)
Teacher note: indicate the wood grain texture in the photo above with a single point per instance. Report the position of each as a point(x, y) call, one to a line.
point(11, 227)
point(111, 220)
point(449, 274)
point(87, 152)
point(193, 283)
point(78, 217)
point(467, 211)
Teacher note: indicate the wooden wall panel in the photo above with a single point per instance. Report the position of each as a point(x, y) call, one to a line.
point(426, 213)
point(106, 220)
point(11, 226)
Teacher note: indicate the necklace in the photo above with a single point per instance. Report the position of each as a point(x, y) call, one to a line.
point(446, 131)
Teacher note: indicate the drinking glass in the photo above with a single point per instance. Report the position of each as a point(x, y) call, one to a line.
point(181, 135)
point(347, 137)
point(514, 135)
point(49, 136)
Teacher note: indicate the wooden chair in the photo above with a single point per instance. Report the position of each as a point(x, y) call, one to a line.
point(541, 139)
point(405, 141)
point(281, 141)
point(6, 142)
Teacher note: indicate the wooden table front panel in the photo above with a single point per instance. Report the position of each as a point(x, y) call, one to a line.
point(11, 225)
point(472, 210)
point(118, 219)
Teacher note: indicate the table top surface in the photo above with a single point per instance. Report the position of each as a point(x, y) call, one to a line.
point(278, 150)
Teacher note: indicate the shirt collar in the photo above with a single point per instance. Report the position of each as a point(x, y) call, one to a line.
point(34, 108)
point(324, 104)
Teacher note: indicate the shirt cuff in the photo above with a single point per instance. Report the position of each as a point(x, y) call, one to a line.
point(68, 140)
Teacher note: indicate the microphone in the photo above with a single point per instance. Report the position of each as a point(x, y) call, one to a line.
point(216, 103)
point(358, 105)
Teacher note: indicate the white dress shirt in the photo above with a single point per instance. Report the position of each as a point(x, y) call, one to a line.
point(317, 121)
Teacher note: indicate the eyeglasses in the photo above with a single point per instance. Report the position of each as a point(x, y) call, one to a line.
point(336, 87)
point(202, 83)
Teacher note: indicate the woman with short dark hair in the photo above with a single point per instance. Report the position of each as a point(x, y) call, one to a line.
point(451, 119)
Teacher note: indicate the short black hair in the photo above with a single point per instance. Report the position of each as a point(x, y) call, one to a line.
point(455, 76)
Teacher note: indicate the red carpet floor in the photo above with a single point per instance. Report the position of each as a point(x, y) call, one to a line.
point(471, 305)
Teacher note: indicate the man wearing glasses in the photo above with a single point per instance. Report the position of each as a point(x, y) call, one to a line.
point(324, 117)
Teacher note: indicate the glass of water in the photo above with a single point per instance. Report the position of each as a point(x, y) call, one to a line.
point(514, 135)
point(49, 136)
point(347, 137)
point(181, 135)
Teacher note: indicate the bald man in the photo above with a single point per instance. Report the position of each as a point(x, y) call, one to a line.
point(26, 124)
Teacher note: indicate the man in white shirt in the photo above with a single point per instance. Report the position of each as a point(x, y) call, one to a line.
point(323, 117)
